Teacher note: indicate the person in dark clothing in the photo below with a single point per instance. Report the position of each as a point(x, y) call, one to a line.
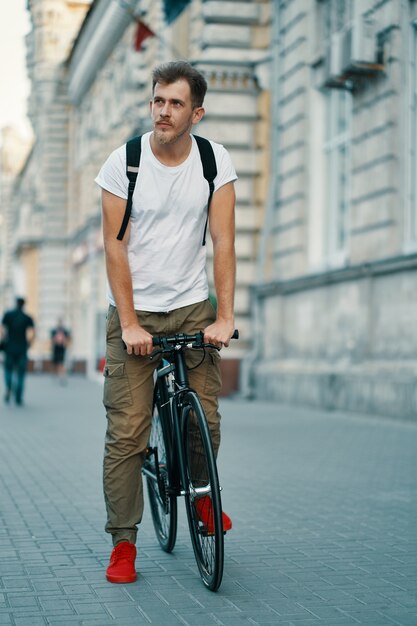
point(60, 339)
point(17, 331)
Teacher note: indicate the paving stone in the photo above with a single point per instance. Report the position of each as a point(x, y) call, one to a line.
point(64, 621)
point(121, 611)
point(29, 621)
point(87, 608)
point(22, 601)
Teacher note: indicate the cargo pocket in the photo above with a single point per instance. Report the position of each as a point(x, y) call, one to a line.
point(213, 384)
point(116, 393)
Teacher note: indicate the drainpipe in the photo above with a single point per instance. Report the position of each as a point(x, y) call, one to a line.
point(247, 379)
point(407, 127)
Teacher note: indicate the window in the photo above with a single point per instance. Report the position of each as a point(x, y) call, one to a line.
point(337, 174)
point(330, 160)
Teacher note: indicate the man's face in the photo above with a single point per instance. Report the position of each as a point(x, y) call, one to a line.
point(172, 111)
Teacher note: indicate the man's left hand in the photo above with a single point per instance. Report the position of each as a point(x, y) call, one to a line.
point(219, 333)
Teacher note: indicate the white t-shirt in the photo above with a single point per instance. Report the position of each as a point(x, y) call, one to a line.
point(166, 257)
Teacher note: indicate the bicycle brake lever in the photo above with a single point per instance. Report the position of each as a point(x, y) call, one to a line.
point(155, 353)
point(211, 345)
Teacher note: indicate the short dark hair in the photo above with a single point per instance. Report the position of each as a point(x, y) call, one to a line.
point(20, 303)
point(169, 73)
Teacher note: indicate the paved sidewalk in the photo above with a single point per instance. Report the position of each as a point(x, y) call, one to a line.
point(324, 509)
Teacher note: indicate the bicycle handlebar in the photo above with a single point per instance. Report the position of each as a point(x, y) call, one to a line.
point(166, 343)
point(197, 340)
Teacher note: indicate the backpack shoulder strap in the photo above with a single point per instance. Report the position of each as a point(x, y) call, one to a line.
point(133, 150)
point(208, 161)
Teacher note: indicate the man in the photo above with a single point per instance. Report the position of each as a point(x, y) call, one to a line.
point(18, 331)
point(158, 285)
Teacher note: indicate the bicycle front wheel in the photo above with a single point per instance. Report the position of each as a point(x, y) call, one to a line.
point(202, 492)
point(157, 469)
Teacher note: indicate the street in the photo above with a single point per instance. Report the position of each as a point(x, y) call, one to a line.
point(324, 507)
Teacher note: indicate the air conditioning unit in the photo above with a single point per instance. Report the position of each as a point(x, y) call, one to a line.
point(351, 54)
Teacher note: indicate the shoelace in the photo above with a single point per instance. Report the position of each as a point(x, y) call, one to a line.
point(122, 551)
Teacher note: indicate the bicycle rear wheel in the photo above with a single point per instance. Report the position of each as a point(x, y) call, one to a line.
point(157, 469)
point(202, 492)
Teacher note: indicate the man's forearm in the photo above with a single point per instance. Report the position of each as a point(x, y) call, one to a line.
point(225, 279)
point(120, 280)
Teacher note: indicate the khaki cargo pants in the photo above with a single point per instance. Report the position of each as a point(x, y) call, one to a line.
point(128, 393)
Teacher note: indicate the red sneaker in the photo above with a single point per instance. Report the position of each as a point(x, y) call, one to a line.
point(205, 513)
point(121, 568)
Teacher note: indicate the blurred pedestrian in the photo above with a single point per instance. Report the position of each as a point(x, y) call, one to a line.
point(60, 339)
point(17, 332)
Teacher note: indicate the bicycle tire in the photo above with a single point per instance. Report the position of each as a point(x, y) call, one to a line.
point(200, 472)
point(163, 504)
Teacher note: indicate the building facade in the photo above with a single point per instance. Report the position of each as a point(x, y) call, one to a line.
point(110, 89)
point(91, 86)
point(38, 206)
point(336, 291)
point(316, 102)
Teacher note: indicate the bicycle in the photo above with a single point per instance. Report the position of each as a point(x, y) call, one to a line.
point(180, 460)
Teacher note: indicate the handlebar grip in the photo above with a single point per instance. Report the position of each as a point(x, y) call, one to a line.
point(160, 341)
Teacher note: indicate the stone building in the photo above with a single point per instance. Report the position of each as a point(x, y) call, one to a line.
point(91, 78)
point(37, 230)
point(110, 88)
point(336, 292)
point(316, 102)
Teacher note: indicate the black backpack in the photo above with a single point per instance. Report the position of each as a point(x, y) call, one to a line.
point(133, 151)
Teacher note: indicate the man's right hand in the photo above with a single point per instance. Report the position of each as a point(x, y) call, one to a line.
point(137, 340)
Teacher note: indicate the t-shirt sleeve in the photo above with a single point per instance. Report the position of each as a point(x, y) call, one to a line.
point(112, 176)
point(226, 172)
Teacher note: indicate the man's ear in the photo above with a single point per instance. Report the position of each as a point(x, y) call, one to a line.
point(150, 106)
point(198, 114)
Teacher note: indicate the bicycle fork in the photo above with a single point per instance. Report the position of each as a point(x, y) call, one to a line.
point(177, 411)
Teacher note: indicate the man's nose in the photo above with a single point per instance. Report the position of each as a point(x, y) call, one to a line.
point(166, 110)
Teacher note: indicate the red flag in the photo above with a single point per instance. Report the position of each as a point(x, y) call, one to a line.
point(142, 32)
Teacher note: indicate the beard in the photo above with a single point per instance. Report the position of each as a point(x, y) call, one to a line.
point(169, 135)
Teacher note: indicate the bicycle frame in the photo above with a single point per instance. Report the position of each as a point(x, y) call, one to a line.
point(178, 368)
